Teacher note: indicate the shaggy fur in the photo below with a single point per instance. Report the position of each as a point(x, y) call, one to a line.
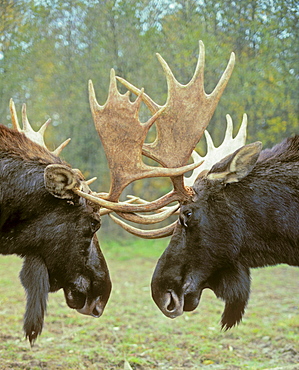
point(56, 236)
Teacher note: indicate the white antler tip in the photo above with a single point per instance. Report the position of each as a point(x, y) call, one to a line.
point(229, 127)
point(44, 126)
point(90, 181)
point(112, 73)
point(209, 140)
point(92, 97)
point(201, 46)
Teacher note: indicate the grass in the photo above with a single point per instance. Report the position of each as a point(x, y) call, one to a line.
point(134, 334)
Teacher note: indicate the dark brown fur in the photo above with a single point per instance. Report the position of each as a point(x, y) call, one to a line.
point(236, 221)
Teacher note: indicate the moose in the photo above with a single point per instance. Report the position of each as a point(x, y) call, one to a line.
point(44, 221)
point(243, 214)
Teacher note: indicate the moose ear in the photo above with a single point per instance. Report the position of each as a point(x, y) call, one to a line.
point(236, 166)
point(60, 180)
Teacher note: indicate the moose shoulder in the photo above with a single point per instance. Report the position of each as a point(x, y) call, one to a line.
point(44, 221)
point(243, 214)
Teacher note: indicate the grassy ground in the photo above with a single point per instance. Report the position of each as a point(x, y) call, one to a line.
point(133, 333)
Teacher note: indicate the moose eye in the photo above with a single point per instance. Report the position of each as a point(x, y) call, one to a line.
point(95, 225)
point(187, 214)
point(184, 218)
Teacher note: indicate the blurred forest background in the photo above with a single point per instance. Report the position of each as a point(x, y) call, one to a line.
point(49, 50)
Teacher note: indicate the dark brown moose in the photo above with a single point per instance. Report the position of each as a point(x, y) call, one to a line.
point(243, 214)
point(44, 221)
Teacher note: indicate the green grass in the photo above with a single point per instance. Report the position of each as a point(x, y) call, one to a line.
point(134, 333)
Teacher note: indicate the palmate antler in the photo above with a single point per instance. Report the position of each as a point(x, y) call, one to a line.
point(180, 124)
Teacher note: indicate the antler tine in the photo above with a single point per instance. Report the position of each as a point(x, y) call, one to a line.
point(60, 148)
point(124, 206)
point(242, 133)
point(106, 211)
point(90, 181)
point(152, 106)
point(13, 114)
point(35, 136)
point(149, 219)
point(139, 200)
point(228, 146)
point(117, 122)
point(146, 234)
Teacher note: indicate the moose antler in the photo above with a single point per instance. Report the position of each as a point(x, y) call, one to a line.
point(180, 124)
point(35, 136)
point(146, 234)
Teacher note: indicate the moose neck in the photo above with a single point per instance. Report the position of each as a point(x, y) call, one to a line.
point(266, 206)
point(19, 202)
point(22, 164)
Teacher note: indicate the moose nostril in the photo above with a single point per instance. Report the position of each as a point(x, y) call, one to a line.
point(171, 304)
point(98, 308)
point(95, 308)
point(96, 312)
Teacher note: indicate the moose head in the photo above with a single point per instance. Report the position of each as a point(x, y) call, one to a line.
point(43, 220)
point(243, 214)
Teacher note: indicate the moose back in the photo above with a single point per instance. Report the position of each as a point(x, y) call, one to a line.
point(44, 221)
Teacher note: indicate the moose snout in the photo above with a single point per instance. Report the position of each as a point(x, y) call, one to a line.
point(174, 301)
point(174, 305)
